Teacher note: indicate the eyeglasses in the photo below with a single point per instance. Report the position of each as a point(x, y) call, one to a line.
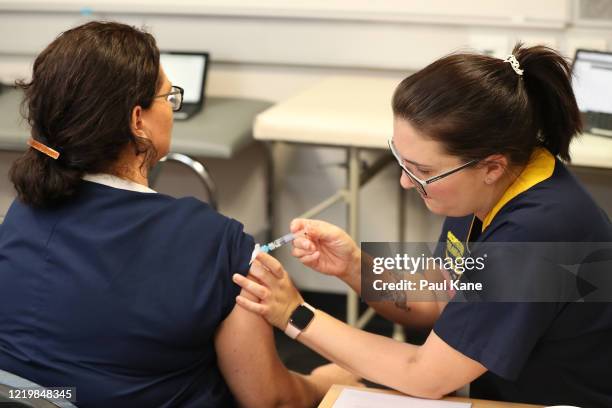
point(175, 97)
point(420, 184)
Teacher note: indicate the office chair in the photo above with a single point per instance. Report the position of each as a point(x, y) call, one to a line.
point(9, 381)
point(197, 167)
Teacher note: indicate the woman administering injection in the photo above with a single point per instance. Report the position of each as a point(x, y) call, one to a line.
point(481, 140)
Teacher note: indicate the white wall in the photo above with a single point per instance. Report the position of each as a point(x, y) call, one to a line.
point(273, 49)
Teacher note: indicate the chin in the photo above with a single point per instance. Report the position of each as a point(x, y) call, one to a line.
point(162, 151)
point(445, 211)
point(438, 211)
point(162, 154)
point(432, 207)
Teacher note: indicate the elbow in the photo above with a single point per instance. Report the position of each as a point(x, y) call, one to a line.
point(274, 402)
point(292, 394)
point(417, 385)
point(285, 404)
point(264, 403)
point(427, 391)
point(431, 393)
point(288, 403)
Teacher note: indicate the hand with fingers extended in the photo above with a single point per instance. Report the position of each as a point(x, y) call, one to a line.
point(325, 248)
point(276, 295)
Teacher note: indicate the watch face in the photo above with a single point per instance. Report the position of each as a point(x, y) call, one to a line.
point(301, 316)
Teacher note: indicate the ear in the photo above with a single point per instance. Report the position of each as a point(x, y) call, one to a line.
point(494, 168)
point(136, 122)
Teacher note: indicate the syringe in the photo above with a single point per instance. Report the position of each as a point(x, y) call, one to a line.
point(277, 243)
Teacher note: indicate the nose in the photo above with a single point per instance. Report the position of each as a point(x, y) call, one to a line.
point(406, 182)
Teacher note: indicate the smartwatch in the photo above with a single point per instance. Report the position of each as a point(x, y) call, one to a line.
point(300, 319)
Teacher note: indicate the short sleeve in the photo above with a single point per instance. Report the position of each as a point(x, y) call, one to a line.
point(239, 247)
point(213, 247)
point(499, 335)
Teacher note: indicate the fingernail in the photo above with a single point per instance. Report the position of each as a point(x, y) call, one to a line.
point(235, 277)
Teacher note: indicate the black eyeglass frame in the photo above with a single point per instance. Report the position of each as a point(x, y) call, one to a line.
point(176, 90)
point(420, 184)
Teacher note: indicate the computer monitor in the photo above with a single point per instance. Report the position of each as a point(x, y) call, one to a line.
point(592, 84)
point(187, 70)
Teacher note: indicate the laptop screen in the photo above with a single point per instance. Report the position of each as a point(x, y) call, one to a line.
point(592, 81)
point(187, 70)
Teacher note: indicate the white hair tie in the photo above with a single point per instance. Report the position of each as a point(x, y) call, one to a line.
point(515, 64)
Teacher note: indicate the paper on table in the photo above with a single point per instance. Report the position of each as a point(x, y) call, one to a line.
point(350, 398)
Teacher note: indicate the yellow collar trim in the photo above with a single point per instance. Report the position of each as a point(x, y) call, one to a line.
point(540, 167)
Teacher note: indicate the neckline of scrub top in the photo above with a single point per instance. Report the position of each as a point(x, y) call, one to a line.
point(117, 182)
point(540, 166)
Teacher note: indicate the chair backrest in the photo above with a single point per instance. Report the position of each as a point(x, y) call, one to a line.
point(195, 167)
point(10, 383)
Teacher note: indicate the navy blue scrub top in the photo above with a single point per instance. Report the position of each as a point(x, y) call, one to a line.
point(550, 353)
point(119, 293)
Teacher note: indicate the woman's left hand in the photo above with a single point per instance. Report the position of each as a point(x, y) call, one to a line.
point(276, 295)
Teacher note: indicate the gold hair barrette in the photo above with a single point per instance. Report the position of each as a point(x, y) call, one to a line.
point(54, 154)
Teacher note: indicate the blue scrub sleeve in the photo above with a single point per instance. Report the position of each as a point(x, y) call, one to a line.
point(240, 247)
point(499, 335)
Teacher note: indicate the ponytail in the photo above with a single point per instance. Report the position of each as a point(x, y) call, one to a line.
point(42, 181)
point(547, 78)
point(478, 105)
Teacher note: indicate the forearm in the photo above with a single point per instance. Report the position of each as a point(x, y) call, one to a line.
point(352, 275)
point(376, 358)
point(417, 314)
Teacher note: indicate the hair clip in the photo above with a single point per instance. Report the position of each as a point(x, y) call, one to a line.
point(54, 154)
point(515, 64)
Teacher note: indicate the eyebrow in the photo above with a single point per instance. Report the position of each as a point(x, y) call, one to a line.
point(417, 163)
point(408, 161)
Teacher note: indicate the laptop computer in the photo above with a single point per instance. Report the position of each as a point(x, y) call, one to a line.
point(187, 70)
point(592, 84)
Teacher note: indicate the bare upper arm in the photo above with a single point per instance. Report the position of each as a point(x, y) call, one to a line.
point(248, 360)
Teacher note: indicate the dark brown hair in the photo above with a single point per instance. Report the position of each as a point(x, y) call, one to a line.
point(477, 105)
point(79, 102)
